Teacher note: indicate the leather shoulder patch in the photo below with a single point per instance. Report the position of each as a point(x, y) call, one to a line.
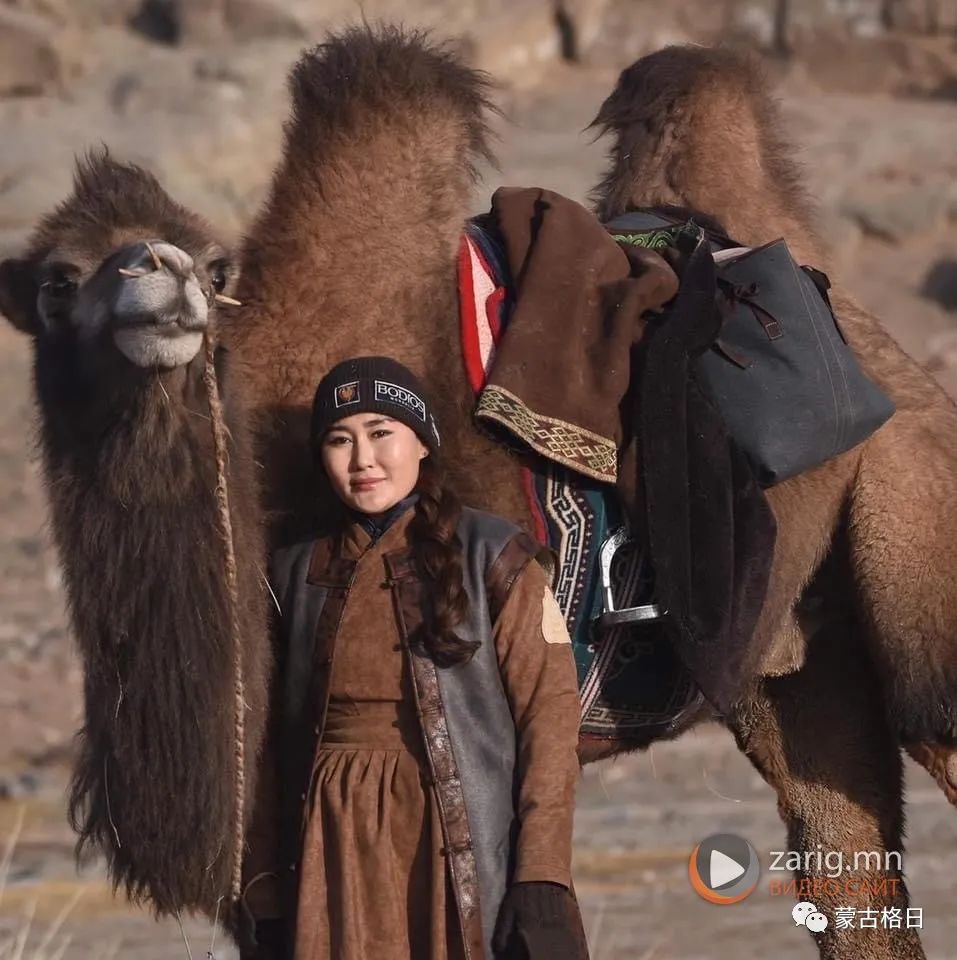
point(554, 629)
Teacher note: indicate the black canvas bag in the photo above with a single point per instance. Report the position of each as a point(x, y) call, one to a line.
point(780, 370)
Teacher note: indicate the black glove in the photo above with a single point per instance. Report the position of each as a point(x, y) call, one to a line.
point(270, 942)
point(539, 921)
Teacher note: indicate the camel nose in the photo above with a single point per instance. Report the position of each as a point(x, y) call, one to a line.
point(157, 281)
point(158, 255)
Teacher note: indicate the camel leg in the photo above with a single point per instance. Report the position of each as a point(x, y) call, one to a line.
point(820, 738)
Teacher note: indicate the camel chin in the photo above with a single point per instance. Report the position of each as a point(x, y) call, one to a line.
point(158, 346)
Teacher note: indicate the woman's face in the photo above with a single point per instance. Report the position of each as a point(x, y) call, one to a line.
point(372, 461)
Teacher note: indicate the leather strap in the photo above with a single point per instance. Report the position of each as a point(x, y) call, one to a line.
point(506, 568)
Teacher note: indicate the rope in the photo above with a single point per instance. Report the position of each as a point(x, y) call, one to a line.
point(220, 434)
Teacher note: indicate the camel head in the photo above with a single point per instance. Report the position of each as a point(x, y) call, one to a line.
point(118, 272)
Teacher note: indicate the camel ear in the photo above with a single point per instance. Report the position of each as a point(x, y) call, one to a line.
point(18, 295)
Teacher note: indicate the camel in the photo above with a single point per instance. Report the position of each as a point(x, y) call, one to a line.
point(354, 249)
point(863, 622)
point(130, 463)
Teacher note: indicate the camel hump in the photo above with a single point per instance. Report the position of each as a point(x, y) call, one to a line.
point(674, 77)
point(699, 128)
point(404, 75)
point(365, 213)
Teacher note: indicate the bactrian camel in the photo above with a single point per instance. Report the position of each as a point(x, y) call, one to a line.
point(354, 252)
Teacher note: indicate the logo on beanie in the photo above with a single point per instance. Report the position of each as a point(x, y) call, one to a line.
point(386, 392)
point(347, 393)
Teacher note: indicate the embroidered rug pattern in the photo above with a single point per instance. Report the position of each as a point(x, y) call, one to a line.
point(584, 451)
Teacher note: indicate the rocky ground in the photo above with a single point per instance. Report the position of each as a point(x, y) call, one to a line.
point(196, 93)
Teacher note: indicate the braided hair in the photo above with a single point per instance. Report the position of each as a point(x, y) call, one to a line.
point(437, 555)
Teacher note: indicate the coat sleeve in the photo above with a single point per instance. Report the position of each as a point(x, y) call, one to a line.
point(538, 671)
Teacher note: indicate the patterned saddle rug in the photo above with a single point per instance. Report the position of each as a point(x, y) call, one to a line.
point(631, 682)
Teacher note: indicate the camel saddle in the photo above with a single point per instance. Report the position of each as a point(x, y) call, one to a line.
point(663, 548)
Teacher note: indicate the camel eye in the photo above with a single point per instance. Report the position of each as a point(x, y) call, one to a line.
point(59, 285)
point(217, 275)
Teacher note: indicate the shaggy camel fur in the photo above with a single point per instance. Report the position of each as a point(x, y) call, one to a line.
point(130, 472)
point(355, 248)
point(697, 129)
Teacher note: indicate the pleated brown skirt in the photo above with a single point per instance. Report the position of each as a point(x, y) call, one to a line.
point(374, 880)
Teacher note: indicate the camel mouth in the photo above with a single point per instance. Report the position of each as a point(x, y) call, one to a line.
point(151, 344)
point(163, 327)
point(159, 314)
point(169, 309)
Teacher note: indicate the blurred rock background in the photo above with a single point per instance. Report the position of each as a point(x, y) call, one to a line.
point(195, 91)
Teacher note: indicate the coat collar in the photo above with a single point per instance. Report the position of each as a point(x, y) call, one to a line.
point(376, 524)
point(334, 557)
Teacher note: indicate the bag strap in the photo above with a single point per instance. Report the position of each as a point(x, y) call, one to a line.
point(735, 293)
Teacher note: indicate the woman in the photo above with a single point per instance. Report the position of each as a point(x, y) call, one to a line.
point(416, 798)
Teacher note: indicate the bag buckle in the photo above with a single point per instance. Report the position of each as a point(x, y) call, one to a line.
point(611, 616)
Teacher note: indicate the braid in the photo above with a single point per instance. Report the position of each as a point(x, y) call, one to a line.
point(437, 552)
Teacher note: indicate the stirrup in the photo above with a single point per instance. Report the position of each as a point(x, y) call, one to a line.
point(610, 616)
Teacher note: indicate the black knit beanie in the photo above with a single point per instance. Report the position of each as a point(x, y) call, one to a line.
point(373, 385)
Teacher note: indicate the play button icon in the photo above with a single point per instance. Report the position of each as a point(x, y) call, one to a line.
point(724, 868)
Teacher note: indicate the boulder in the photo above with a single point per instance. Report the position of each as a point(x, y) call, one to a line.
point(580, 24)
point(940, 285)
point(261, 19)
point(898, 213)
point(30, 63)
point(80, 13)
point(176, 22)
point(513, 42)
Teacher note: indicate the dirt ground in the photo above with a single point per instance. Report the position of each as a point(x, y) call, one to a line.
point(882, 166)
point(637, 821)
